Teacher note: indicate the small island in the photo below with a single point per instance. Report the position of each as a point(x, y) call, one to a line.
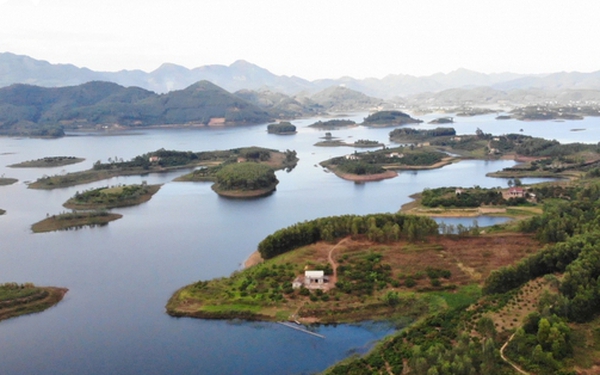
point(21, 299)
point(4, 181)
point(470, 111)
point(74, 220)
point(389, 118)
point(245, 180)
point(333, 124)
point(281, 128)
point(382, 164)
point(442, 120)
point(111, 197)
point(48, 162)
point(361, 143)
point(2, 212)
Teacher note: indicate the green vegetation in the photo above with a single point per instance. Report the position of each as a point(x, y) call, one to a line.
point(7, 181)
point(458, 197)
point(110, 197)
point(281, 128)
point(48, 162)
point(375, 162)
point(378, 227)
point(74, 220)
point(219, 159)
point(389, 118)
point(245, 177)
point(164, 161)
point(332, 124)
point(47, 112)
point(548, 112)
point(367, 143)
point(20, 299)
point(409, 134)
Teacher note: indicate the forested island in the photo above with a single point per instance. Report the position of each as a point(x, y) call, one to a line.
point(74, 220)
point(48, 162)
point(245, 180)
point(381, 164)
point(21, 299)
point(361, 143)
point(2, 212)
point(389, 118)
point(111, 197)
point(333, 124)
point(281, 128)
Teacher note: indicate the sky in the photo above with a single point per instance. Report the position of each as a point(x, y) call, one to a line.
point(311, 39)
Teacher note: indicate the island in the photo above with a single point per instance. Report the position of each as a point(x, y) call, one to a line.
point(161, 161)
point(2, 212)
point(442, 120)
point(389, 118)
point(361, 143)
point(111, 197)
point(471, 111)
point(281, 128)
point(245, 180)
point(74, 220)
point(48, 162)
point(21, 299)
point(333, 124)
point(382, 164)
point(7, 181)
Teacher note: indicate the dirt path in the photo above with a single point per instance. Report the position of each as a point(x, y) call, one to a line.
point(508, 360)
point(333, 264)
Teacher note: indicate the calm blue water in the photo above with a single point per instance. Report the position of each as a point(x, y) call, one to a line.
point(121, 276)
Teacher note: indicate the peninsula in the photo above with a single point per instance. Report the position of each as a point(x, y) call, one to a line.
point(21, 299)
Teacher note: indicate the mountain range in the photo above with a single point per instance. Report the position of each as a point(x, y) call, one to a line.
point(242, 75)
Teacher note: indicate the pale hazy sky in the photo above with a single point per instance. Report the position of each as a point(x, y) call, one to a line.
point(309, 38)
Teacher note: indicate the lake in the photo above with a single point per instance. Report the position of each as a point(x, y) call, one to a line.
point(120, 276)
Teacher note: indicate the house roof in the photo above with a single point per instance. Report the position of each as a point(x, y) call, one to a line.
point(314, 274)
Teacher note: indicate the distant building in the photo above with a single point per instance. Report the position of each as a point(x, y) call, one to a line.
point(352, 157)
point(516, 192)
point(153, 159)
point(311, 280)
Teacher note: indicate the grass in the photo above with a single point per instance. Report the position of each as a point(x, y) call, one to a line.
point(111, 197)
point(67, 221)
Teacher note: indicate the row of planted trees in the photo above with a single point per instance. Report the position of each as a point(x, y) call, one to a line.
point(377, 228)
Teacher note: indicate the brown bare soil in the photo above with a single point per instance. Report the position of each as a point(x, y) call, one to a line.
point(32, 304)
point(366, 177)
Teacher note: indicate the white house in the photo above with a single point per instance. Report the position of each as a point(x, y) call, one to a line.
point(310, 280)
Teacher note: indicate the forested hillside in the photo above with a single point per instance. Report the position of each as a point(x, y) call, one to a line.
point(39, 111)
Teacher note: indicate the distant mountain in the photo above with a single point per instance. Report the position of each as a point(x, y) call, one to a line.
point(342, 99)
point(242, 75)
point(280, 105)
point(34, 110)
point(489, 96)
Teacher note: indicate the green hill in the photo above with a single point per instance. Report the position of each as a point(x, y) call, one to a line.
point(38, 111)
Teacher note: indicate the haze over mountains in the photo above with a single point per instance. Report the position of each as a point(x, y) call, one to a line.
point(244, 75)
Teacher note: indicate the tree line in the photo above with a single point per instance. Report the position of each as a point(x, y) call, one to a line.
point(377, 228)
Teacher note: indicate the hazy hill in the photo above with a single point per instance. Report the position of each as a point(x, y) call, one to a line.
point(341, 99)
point(242, 75)
point(280, 105)
point(34, 110)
